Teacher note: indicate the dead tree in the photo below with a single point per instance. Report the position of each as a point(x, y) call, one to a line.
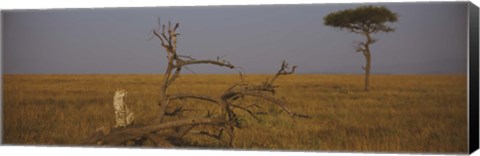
point(219, 125)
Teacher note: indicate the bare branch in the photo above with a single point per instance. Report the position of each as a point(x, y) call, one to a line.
point(124, 134)
point(169, 30)
point(174, 76)
point(176, 26)
point(159, 37)
point(283, 71)
point(278, 102)
point(188, 57)
point(247, 110)
point(253, 105)
point(218, 63)
point(301, 115)
point(192, 96)
point(177, 111)
point(190, 70)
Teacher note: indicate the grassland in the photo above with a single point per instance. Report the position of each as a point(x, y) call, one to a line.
point(401, 113)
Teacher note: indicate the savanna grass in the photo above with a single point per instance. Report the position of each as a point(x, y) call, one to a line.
point(400, 113)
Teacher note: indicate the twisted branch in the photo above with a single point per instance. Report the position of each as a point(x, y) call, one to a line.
point(227, 119)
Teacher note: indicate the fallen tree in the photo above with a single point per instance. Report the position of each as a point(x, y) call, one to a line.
point(218, 125)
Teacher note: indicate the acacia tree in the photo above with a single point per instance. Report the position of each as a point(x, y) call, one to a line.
point(172, 123)
point(364, 20)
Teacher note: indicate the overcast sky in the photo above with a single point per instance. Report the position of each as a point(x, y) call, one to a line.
point(429, 38)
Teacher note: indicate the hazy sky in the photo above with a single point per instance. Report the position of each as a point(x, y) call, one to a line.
point(429, 38)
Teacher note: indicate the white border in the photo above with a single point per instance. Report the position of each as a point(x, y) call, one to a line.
point(35, 4)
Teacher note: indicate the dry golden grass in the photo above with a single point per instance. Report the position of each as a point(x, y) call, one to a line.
point(401, 113)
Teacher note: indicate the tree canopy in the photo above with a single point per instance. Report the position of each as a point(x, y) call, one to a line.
point(364, 19)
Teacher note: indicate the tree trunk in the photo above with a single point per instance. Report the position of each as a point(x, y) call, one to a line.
point(368, 58)
point(367, 71)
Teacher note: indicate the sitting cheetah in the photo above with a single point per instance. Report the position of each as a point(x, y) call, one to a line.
point(123, 116)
